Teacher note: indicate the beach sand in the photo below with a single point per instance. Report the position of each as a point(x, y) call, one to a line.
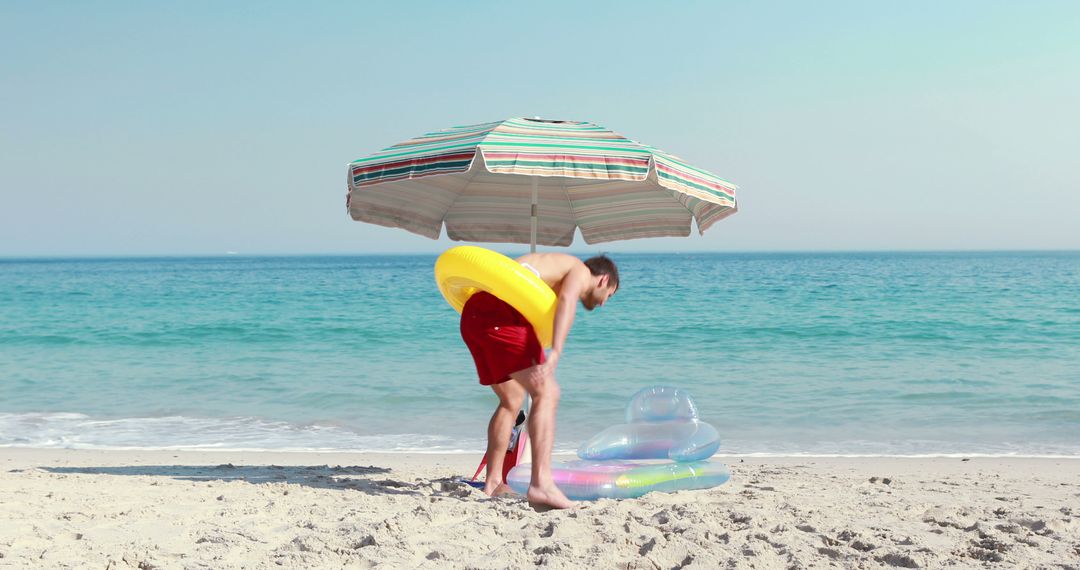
point(170, 509)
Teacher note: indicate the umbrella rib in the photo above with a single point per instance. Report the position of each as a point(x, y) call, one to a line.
point(570, 203)
point(671, 194)
point(463, 189)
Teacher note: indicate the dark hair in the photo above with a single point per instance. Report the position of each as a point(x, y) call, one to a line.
point(603, 265)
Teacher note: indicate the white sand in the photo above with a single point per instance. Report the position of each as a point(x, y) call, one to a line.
point(127, 509)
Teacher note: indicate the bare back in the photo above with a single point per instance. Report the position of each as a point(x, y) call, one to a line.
point(554, 267)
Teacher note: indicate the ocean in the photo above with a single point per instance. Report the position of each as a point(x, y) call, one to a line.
point(785, 354)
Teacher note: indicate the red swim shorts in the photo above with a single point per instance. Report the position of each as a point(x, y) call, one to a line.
point(500, 339)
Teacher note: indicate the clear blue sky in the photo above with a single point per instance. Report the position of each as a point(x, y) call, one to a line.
point(142, 128)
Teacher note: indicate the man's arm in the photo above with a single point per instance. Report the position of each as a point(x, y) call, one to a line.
point(573, 285)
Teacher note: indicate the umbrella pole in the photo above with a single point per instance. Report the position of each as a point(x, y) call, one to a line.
point(526, 455)
point(532, 228)
point(521, 451)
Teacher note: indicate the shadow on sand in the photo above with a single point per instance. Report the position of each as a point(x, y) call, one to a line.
point(370, 479)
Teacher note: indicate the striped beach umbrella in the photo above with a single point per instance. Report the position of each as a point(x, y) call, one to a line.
point(534, 181)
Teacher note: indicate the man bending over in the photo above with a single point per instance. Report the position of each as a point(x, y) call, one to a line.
point(509, 358)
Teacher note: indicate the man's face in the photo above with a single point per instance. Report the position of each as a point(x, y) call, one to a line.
point(598, 296)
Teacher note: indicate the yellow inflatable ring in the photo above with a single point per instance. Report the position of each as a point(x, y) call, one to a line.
point(462, 271)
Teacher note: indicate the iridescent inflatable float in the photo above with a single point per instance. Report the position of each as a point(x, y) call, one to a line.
point(663, 446)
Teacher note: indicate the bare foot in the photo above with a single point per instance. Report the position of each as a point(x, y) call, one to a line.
point(546, 498)
point(495, 490)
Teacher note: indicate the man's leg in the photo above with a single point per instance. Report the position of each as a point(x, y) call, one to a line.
point(511, 395)
point(545, 394)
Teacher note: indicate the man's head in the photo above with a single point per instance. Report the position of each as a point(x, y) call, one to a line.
point(605, 281)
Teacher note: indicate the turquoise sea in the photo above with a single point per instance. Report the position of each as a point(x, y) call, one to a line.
point(831, 353)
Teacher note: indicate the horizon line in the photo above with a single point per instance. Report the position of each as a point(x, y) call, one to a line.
point(232, 254)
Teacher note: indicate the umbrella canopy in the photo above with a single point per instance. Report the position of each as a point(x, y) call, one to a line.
point(534, 181)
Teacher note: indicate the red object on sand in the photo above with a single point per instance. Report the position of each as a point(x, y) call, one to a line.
point(513, 456)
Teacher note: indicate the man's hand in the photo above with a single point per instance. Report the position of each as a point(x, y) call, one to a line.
point(552, 361)
point(541, 372)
